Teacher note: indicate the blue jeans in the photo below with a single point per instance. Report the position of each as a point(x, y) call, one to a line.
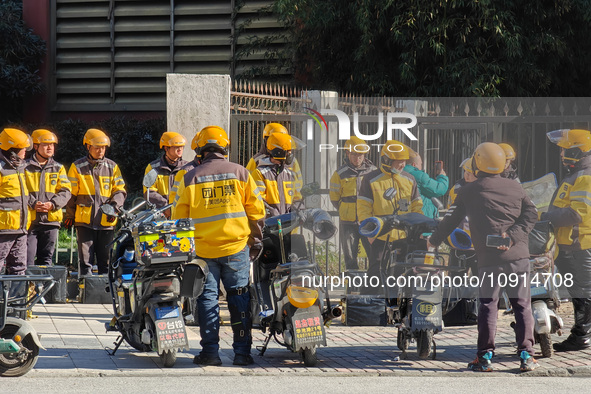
point(234, 272)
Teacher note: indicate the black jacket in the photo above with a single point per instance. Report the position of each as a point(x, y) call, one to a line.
point(493, 205)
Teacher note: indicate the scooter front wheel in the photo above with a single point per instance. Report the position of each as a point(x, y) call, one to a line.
point(18, 364)
point(168, 358)
point(310, 357)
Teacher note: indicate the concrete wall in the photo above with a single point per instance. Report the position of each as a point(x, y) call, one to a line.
point(194, 101)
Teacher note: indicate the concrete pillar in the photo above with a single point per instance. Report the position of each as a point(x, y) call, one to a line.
point(194, 101)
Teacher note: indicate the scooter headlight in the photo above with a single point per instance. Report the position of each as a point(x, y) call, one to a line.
point(301, 297)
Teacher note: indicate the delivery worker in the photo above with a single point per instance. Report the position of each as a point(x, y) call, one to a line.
point(467, 177)
point(95, 180)
point(14, 199)
point(510, 164)
point(188, 166)
point(166, 166)
point(344, 188)
point(499, 207)
point(570, 213)
point(49, 189)
point(263, 153)
point(428, 187)
point(275, 178)
point(371, 202)
point(228, 211)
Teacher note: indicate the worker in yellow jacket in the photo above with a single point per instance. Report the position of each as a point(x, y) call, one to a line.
point(167, 166)
point(275, 178)
point(371, 202)
point(570, 213)
point(95, 180)
point(49, 189)
point(188, 166)
point(344, 188)
point(228, 211)
point(14, 199)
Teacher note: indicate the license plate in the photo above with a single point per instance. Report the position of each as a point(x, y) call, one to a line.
point(167, 312)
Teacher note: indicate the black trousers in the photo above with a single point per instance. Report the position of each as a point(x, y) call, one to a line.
point(41, 242)
point(91, 244)
point(349, 237)
point(578, 264)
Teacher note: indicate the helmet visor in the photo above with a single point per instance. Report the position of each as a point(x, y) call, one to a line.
point(558, 136)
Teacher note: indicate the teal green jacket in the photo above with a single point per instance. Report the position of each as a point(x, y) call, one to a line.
point(428, 188)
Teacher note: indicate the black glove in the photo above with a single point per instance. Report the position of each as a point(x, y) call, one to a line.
point(68, 223)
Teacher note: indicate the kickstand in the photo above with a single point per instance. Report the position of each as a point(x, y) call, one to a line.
point(263, 349)
point(434, 352)
point(117, 343)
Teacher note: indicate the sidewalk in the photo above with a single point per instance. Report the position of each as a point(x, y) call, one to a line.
point(75, 339)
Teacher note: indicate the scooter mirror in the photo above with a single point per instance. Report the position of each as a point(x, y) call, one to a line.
point(108, 209)
point(389, 194)
point(438, 204)
point(150, 178)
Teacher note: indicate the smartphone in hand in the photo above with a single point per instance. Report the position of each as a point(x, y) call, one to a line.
point(438, 166)
point(494, 241)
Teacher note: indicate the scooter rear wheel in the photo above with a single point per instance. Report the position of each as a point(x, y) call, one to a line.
point(546, 345)
point(168, 358)
point(424, 344)
point(310, 357)
point(22, 362)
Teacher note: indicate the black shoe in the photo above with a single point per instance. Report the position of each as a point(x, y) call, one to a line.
point(203, 359)
point(570, 344)
point(243, 359)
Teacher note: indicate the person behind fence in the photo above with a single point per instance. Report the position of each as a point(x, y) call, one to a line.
point(570, 213)
point(228, 211)
point(371, 202)
point(510, 163)
point(167, 166)
point(14, 199)
point(95, 180)
point(428, 187)
point(49, 190)
point(499, 208)
point(275, 178)
point(344, 188)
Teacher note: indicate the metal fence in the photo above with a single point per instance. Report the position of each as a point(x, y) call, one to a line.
point(448, 129)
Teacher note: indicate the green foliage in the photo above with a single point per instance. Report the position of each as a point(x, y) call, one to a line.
point(440, 48)
point(20, 56)
point(324, 251)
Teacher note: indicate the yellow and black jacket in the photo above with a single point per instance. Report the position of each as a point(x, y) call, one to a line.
point(370, 201)
point(570, 209)
point(160, 191)
point(261, 158)
point(14, 198)
point(225, 204)
point(94, 183)
point(279, 187)
point(344, 188)
point(48, 183)
point(178, 176)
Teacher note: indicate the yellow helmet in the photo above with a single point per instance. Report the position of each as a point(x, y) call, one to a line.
point(356, 145)
point(172, 138)
point(213, 138)
point(96, 137)
point(274, 128)
point(43, 136)
point(280, 147)
point(395, 150)
point(194, 140)
point(509, 151)
point(14, 138)
point(576, 142)
point(467, 165)
point(490, 158)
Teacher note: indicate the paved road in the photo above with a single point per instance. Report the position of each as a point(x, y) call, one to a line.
point(75, 339)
